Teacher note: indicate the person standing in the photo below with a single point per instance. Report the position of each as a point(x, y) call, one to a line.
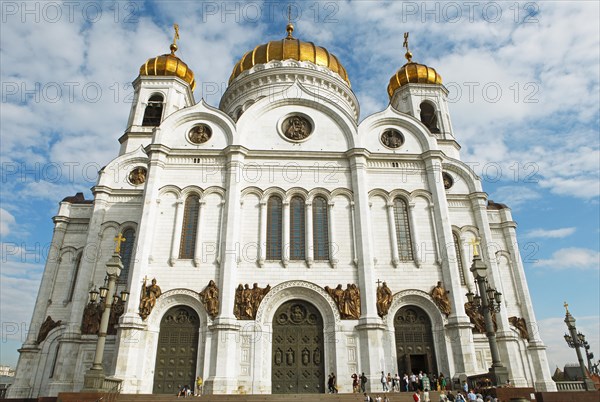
point(355, 383)
point(363, 382)
point(199, 383)
point(426, 385)
point(383, 382)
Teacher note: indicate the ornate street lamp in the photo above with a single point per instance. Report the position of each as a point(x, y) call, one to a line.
point(487, 300)
point(93, 380)
point(576, 340)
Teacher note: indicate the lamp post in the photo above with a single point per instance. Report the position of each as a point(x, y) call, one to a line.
point(488, 300)
point(93, 380)
point(575, 340)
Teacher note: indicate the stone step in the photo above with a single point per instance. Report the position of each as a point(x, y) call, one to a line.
point(394, 397)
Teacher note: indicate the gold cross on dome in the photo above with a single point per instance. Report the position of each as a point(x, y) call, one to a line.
point(474, 242)
point(118, 240)
point(176, 36)
point(408, 54)
point(566, 306)
point(378, 282)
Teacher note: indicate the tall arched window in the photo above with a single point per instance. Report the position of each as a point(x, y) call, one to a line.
point(153, 112)
point(461, 271)
point(274, 231)
point(126, 254)
point(297, 232)
point(429, 117)
point(320, 229)
point(76, 267)
point(405, 252)
point(189, 229)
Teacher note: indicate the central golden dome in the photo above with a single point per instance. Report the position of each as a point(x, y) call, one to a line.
point(289, 48)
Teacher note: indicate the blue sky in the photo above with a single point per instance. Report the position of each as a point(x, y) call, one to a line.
point(524, 100)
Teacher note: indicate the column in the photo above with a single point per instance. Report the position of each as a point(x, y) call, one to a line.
point(176, 239)
point(286, 233)
point(131, 337)
point(507, 340)
point(414, 234)
point(198, 248)
point(459, 325)
point(222, 378)
point(435, 236)
point(310, 250)
point(262, 241)
point(353, 233)
point(393, 234)
point(333, 247)
point(371, 331)
point(535, 347)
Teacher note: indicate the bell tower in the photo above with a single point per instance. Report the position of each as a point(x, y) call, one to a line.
point(417, 89)
point(165, 85)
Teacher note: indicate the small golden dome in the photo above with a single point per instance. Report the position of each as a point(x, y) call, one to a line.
point(413, 73)
point(289, 48)
point(169, 64)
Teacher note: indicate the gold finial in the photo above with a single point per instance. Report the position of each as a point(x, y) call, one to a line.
point(175, 38)
point(408, 54)
point(474, 242)
point(119, 239)
point(566, 307)
point(290, 27)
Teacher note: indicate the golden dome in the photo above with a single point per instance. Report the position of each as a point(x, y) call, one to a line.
point(289, 48)
point(413, 73)
point(169, 64)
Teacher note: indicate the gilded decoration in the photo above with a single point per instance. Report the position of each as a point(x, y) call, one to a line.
point(477, 318)
point(440, 297)
point(448, 181)
point(347, 300)
point(200, 134)
point(248, 300)
point(92, 314)
point(148, 298)
point(46, 327)
point(392, 139)
point(296, 128)
point(210, 299)
point(384, 299)
point(521, 326)
point(138, 176)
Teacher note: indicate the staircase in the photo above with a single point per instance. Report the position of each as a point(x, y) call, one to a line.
point(393, 396)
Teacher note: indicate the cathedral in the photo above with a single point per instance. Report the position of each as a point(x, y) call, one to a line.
point(276, 239)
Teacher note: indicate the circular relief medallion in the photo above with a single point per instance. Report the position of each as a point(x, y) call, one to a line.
point(392, 138)
point(448, 181)
point(200, 134)
point(296, 128)
point(138, 176)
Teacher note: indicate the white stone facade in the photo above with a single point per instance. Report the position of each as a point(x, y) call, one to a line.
point(246, 161)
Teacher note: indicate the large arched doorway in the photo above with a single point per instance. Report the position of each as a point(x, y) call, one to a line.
point(297, 357)
point(414, 341)
point(177, 350)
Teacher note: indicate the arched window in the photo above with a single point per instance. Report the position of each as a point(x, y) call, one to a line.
point(461, 271)
point(76, 267)
point(429, 117)
point(126, 254)
point(153, 112)
point(320, 229)
point(189, 229)
point(274, 231)
point(297, 232)
point(405, 252)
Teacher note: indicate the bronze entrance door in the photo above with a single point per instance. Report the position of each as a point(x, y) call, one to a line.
point(297, 356)
point(177, 350)
point(414, 341)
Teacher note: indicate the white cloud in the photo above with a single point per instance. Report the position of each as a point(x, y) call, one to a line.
point(551, 233)
point(6, 220)
point(514, 196)
point(572, 258)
